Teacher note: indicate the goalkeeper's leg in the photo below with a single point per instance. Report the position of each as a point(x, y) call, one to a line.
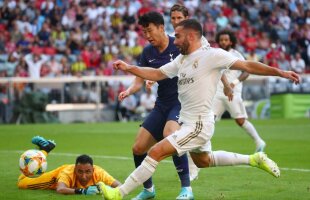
point(45, 181)
point(44, 145)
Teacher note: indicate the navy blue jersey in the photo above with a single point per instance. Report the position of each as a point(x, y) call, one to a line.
point(167, 89)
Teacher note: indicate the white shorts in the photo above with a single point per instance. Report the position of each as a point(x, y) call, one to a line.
point(193, 137)
point(235, 107)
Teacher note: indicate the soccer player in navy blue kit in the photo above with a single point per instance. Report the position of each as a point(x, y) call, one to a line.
point(162, 121)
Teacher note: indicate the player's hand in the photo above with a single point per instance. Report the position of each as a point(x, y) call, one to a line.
point(91, 190)
point(123, 95)
point(291, 76)
point(149, 84)
point(232, 85)
point(120, 65)
point(229, 92)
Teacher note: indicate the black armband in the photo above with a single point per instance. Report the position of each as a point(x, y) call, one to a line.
point(79, 191)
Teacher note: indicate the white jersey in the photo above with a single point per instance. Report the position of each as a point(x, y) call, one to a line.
point(231, 75)
point(198, 74)
point(204, 42)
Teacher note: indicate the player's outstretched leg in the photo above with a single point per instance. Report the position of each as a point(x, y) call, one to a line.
point(109, 193)
point(185, 194)
point(145, 194)
point(260, 160)
point(43, 144)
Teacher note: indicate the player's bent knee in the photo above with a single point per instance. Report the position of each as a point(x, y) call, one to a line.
point(203, 163)
point(138, 150)
point(240, 121)
point(156, 153)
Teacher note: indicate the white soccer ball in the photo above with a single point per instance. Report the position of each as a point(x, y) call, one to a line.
point(32, 163)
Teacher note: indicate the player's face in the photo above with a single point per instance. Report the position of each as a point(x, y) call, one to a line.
point(154, 34)
point(225, 42)
point(176, 17)
point(181, 41)
point(84, 173)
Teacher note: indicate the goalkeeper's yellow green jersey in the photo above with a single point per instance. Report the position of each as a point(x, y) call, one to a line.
point(64, 174)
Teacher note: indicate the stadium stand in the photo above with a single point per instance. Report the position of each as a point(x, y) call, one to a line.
point(77, 38)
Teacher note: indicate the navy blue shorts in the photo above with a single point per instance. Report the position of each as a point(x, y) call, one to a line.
point(156, 120)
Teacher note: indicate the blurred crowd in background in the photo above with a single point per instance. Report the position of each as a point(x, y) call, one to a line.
point(61, 38)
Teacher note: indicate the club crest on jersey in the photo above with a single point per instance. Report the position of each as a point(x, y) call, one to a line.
point(195, 65)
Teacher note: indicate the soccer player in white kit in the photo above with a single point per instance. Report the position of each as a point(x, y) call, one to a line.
point(227, 41)
point(199, 71)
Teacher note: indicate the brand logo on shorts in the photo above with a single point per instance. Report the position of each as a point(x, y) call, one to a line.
point(151, 60)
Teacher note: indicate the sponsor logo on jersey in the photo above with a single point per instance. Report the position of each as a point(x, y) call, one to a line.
point(185, 81)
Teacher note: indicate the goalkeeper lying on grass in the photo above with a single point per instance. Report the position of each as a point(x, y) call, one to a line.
point(80, 178)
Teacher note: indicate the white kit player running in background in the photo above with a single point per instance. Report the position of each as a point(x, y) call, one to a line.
point(227, 41)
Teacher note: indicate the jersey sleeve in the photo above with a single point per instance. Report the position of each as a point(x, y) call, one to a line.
point(171, 69)
point(224, 59)
point(102, 175)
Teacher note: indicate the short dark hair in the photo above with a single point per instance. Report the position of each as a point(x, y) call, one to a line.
point(192, 24)
point(84, 159)
point(231, 35)
point(151, 17)
point(180, 8)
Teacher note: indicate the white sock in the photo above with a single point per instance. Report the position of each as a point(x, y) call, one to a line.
point(251, 131)
point(151, 189)
point(224, 158)
point(189, 189)
point(139, 175)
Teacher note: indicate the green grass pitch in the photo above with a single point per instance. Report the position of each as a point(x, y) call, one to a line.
point(288, 143)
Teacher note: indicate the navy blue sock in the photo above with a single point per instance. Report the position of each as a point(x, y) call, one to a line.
point(138, 160)
point(181, 165)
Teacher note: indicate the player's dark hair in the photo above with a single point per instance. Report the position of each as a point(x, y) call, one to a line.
point(179, 8)
point(84, 159)
point(231, 35)
point(151, 17)
point(192, 24)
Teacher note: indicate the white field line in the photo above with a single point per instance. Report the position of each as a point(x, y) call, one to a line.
point(128, 158)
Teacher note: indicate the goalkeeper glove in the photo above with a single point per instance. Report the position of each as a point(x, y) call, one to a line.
point(91, 190)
